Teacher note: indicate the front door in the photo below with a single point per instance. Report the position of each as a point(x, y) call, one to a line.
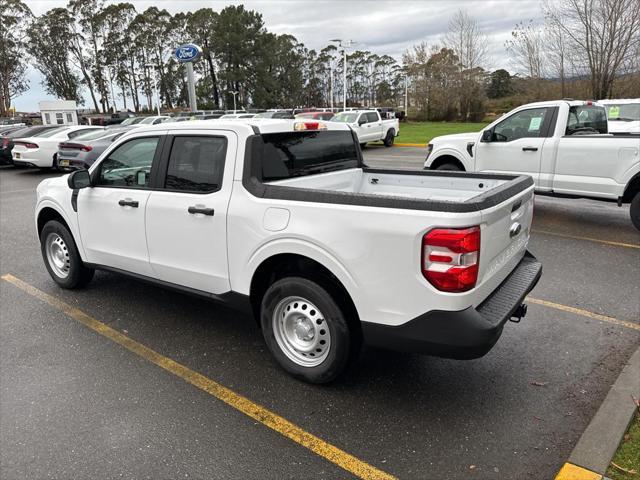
point(111, 213)
point(517, 144)
point(187, 218)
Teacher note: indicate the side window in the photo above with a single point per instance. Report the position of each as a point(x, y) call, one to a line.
point(129, 165)
point(524, 124)
point(196, 164)
point(372, 117)
point(586, 119)
point(363, 119)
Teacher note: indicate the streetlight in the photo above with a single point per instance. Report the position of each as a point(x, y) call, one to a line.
point(344, 72)
point(234, 93)
point(155, 85)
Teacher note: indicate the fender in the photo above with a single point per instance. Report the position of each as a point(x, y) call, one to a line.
point(298, 246)
point(452, 152)
point(49, 202)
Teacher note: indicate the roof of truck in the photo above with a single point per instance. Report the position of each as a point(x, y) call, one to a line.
point(249, 125)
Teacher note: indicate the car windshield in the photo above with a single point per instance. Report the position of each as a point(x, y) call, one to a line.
point(624, 112)
point(128, 121)
point(93, 134)
point(148, 120)
point(586, 119)
point(345, 117)
point(51, 133)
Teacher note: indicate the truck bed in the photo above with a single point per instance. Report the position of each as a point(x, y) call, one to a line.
point(427, 186)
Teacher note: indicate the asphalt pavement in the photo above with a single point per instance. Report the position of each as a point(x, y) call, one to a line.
point(74, 404)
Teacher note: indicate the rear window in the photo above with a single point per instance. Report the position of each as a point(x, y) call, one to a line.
point(295, 154)
point(624, 112)
point(585, 119)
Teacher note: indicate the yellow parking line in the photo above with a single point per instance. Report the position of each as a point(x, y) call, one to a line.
point(423, 145)
point(569, 471)
point(584, 313)
point(589, 239)
point(259, 413)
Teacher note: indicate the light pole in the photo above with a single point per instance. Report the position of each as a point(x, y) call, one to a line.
point(406, 94)
point(344, 70)
point(234, 93)
point(155, 85)
point(331, 84)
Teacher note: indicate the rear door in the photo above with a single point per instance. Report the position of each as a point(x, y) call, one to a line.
point(517, 143)
point(186, 218)
point(373, 126)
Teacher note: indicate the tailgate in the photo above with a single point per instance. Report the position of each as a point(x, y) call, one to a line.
point(505, 233)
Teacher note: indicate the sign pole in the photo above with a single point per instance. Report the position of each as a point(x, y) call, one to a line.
point(191, 87)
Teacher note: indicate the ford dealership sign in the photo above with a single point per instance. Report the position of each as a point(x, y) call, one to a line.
point(188, 52)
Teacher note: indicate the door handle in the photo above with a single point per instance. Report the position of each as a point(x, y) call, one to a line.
point(529, 149)
point(203, 210)
point(127, 202)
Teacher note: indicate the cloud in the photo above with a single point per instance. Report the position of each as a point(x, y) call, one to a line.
point(382, 26)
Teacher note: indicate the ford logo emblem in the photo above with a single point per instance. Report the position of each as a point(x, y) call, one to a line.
point(187, 53)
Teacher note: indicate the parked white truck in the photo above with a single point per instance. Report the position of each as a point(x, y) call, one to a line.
point(369, 126)
point(283, 217)
point(623, 115)
point(562, 145)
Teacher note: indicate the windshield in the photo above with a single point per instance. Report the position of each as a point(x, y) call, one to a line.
point(128, 121)
point(585, 119)
point(51, 133)
point(294, 154)
point(149, 120)
point(624, 112)
point(93, 134)
point(345, 117)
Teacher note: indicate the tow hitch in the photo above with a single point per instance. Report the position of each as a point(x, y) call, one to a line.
point(520, 312)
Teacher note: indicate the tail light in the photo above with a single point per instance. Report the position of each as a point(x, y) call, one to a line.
point(26, 144)
point(75, 146)
point(450, 258)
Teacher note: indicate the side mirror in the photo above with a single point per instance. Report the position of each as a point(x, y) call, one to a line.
point(362, 121)
point(487, 136)
point(79, 179)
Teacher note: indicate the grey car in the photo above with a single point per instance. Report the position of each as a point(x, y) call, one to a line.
point(83, 150)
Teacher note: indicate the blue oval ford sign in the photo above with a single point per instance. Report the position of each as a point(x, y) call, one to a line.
point(187, 53)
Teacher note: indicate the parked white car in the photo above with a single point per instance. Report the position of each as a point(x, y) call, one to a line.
point(369, 126)
point(41, 151)
point(623, 115)
point(562, 145)
point(283, 217)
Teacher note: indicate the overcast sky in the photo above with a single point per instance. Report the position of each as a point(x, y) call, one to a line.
point(381, 26)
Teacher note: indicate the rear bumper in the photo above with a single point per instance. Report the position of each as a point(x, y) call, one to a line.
point(463, 334)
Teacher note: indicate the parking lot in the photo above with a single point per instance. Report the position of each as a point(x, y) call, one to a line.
point(76, 404)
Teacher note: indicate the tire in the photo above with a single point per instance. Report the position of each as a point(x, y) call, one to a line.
point(61, 256)
point(634, 211)
point(306, 330)
point(449, 166)
point(362, 145)
point(389, 139)
point(54, 164)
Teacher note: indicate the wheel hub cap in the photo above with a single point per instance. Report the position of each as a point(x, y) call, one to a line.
point(301, 331)
point(57, 255)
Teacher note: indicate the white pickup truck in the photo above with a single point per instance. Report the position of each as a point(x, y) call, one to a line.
point(282, 217)
point(562, 145)
point(369, 126)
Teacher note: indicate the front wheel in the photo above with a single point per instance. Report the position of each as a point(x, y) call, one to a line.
point(306, 330)
point(389, 139)
point(449, 166)
point(61, 256)
point(634, 211)
point(362, 145)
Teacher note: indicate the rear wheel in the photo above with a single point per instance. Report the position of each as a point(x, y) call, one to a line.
point(389, 139)
point(306, 330)
point(449, 166)
point(54, 163)
point(362, 145)
point(61, 256)
point(634, 211)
